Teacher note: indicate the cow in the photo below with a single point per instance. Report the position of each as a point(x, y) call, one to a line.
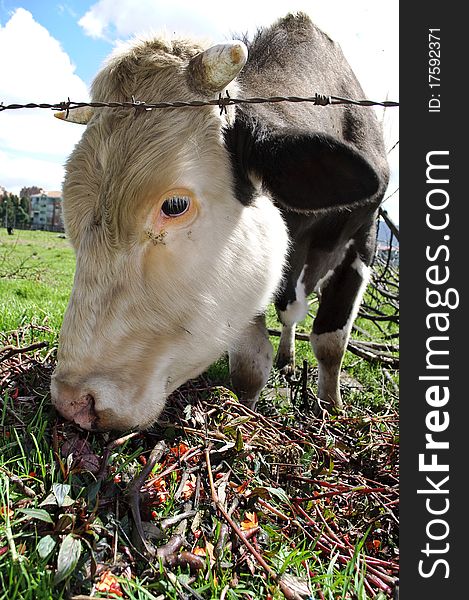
point(188, 222)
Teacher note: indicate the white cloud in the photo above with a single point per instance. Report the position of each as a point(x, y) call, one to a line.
point(34, 144)
point(367, 31)
point(18, 170)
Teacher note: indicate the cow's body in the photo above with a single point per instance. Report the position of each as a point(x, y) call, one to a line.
point(157, 299)
point(331, 250)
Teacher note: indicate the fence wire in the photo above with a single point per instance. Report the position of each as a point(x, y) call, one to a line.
point(222, 102)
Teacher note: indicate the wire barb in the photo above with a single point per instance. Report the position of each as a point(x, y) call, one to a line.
point(321, 100)
point(139, 105)
point(223, 102)
point(67, 107)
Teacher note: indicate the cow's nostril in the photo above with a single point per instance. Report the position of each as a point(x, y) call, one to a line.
point(86, 414)
point(75, 403)
point(89, 400)
point(82, 402)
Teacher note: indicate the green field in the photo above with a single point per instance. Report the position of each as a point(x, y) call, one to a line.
point(36, 276)
point(317, 498)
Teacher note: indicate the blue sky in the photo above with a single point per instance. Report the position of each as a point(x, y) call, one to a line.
point(61, 20)
point(50, 50)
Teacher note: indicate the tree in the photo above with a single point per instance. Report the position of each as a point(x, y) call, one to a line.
point(14, 211)
point(25, 198)
point(8, 210)
point(27, 192)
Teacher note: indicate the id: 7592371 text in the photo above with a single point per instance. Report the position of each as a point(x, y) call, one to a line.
point(434, 70)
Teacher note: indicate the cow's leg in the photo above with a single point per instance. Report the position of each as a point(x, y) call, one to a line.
point(339, 303)
point(251, 361)
point(285, 358)
point(295, 311)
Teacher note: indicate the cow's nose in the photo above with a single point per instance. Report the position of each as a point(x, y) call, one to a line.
point(75, 405)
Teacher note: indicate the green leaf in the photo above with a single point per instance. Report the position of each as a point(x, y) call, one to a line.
point(280, 493)
point(37, 513)
point(67, 560)
point(93, 490)
point(64, 522)
point(239, 445)
point(45, 546)
point(51, 500)
point(308, 457)
point(60, 491)
point(237, 421)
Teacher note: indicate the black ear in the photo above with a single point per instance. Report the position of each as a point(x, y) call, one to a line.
point(312, 172)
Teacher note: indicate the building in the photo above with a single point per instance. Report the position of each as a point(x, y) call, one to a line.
point(46, 211)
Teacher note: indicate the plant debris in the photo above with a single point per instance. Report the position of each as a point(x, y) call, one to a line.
point(214, 495)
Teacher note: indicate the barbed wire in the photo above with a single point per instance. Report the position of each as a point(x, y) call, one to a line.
point(222, 102)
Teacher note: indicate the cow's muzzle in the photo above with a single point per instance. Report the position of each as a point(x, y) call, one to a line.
point(75, 405)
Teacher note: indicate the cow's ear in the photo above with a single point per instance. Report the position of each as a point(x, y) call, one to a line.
point(312, 172)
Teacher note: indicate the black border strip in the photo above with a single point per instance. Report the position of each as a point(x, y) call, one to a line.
point(433, 271)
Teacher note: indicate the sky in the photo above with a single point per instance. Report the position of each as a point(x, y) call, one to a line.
point(51, 50)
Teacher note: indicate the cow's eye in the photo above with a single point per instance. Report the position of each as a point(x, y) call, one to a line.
point(175, 206)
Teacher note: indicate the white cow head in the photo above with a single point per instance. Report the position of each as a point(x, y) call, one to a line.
point(170, 265)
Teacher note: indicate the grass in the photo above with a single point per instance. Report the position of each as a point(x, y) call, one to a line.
point(36, 275)
point(316, 498)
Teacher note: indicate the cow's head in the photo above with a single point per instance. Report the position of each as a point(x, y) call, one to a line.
point(170, 266)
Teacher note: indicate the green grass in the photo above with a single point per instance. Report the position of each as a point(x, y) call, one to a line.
point(36, 276)
point(87, 527)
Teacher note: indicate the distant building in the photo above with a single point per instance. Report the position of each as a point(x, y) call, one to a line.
point(46, 211)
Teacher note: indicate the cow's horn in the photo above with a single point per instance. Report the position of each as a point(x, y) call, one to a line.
point(212, 70)
point(79, 115)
